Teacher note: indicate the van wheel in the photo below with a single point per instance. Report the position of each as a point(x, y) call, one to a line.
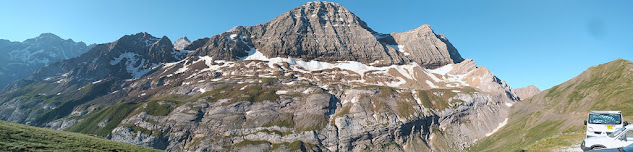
point(597, 147)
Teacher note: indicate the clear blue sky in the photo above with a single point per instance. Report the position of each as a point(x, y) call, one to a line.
point(523, 42)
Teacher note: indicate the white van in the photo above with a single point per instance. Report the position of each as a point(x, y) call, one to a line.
point(603, 123)
point(620, 138)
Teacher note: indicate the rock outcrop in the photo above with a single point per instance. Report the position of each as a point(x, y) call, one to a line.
point(527, 92)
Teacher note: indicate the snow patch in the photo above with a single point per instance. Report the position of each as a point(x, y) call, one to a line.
point(354, 100)
point(281, 92)
point(442, 70)
point(97, 81)
point(399, 48)
point(132, 64)
point(253, 54)
point(407, 71)
point(415, 96)
point(431, 84)
point(233, 36)
point(498, 127)
point(128, 55)
point(181, 70)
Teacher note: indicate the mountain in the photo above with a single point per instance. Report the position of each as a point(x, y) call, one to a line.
point(16, 137)
point(316, 78)
point(527, 92)
point(328, 32)
point(181, 43)
point(61, 86)
point(553, 119)
point(21, 59)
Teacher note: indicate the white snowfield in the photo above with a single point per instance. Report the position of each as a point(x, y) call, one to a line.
point(407, 72)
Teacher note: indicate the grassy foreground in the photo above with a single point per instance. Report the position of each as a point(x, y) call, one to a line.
point(17, 137)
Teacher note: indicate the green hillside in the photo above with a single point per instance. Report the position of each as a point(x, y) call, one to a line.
point(17, 137)
point(553, 119)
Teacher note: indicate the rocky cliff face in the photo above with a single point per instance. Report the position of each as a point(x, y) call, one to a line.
point(527, 92)
point(268, 105)
point(21, 59)
point(329, 32)
point(313, 79)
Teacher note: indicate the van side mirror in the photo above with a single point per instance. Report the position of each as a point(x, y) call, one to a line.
point(626, 123)
point(586, 122)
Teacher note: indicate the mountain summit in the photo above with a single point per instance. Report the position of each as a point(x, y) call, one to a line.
point(181, 43)
point(527, 92)
point(21, 59)
point(129, 57)
point(328, 32)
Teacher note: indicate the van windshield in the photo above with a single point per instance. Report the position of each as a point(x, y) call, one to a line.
point(605, 118)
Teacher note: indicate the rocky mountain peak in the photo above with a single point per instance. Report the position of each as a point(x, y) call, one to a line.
point(46, 38)
point(21, 59)
point(144, 45)
point(184, 38)
point(48, 35)
point(130, 41)
point(328, 32)
point(129, 57)
point(161, 51)
point(425, 28)
point(327, 14)
point(141, 36)
point(426, 47)
point(181, 43)
point(527, 92)
point(163, 40)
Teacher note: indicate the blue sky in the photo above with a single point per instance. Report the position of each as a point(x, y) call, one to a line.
point(523, 42)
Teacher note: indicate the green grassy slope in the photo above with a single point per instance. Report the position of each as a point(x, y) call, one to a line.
point(554, 118)
point(17, 137)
